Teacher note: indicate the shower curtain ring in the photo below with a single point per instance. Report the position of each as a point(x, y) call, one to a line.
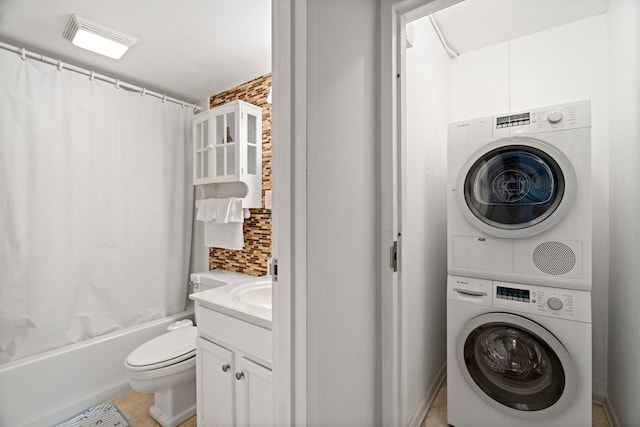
point(59, 65)
point(143, 92)
point(92, 75)
point(23, 54)
point(117, 83)
point(164, 98)
point(182, 104)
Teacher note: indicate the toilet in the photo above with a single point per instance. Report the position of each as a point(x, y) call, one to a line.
point(166, 365)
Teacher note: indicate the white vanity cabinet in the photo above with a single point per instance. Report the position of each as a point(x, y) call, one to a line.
point(227, 146)
point(233, 371)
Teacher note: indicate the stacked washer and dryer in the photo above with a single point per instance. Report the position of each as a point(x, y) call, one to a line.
point(519, 263)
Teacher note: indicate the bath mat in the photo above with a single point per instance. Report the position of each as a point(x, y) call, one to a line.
point(102, 415)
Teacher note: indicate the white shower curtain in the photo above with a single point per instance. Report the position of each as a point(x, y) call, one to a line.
point(95, 207)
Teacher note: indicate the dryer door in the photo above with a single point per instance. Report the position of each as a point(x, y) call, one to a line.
point(516, 187)
point(516, 365)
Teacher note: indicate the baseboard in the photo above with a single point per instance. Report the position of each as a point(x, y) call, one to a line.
point(429, 397)
point(610, 413)
point(598, 398)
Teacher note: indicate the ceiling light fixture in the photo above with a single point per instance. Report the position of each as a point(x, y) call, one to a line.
point(97, 38)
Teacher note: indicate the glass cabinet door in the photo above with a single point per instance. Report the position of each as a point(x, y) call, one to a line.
point(253, 139)
point(201, 151)
point(226, 141)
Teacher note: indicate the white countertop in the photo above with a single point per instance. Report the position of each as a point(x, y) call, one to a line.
point(223, 300)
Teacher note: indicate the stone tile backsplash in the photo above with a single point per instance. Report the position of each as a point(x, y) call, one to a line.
point(257, 228)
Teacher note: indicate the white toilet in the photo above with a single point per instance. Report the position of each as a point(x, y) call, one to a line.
point(166, 365)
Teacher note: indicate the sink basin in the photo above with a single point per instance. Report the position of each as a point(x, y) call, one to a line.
point(249, 301)
point(255, 294)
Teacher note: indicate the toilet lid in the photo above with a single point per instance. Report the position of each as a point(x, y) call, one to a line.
point(167, 349)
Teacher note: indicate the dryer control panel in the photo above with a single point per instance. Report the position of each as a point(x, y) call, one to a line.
point(553, 118)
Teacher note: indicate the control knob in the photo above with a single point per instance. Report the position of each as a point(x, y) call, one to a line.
point(554, 303)
point(554, 117)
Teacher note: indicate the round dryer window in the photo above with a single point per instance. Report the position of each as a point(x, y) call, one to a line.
point(517, 365)
point(515, 190)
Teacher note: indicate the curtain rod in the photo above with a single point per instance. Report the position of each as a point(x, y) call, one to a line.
point(23, 53)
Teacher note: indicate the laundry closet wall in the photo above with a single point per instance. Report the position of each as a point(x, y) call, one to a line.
point(623, 375)
point(562, 64)
point(423, 268)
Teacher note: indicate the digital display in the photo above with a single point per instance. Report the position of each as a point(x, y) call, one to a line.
point(514, 120)
point(512, 294)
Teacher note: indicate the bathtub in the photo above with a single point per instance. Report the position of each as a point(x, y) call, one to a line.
point(45, 389)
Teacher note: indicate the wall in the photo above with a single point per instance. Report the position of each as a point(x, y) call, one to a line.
point(562, 64)
point(623, 383)
point(341, 253)
point(423, 268)
point(257, 228)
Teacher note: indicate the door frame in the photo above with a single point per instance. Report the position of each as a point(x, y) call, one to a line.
point(289, 133)
point(394, 16)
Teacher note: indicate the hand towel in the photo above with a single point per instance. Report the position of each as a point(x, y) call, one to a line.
point(226, 236)
point(207, 210)
point(223, 219)
point(223, 211)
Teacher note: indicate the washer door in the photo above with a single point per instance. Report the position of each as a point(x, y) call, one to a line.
point(516, 187)
point(516, 365)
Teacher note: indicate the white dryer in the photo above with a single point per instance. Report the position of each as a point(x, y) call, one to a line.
point(519, 205)
point(517, 355)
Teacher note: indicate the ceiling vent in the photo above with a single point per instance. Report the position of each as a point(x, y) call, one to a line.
point(97, 38)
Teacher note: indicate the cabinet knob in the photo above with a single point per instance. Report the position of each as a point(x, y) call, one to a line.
point(239, 375)
point(226, 367)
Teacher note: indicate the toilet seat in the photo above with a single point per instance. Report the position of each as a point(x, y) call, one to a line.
point(167, 349)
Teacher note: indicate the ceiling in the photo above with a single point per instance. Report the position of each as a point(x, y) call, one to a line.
point(473, 24)
point(192, 49)
point(188, 49)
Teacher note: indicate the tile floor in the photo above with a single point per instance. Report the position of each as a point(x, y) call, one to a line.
point(135, 406)
point(437, 415)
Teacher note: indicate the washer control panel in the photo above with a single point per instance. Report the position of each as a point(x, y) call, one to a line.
point(555, 303)
point(568, 304)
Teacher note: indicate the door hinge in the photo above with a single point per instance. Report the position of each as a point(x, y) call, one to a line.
point(273, 269)
point(394, 256)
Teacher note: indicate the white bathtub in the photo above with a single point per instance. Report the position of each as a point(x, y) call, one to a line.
point(45, 389)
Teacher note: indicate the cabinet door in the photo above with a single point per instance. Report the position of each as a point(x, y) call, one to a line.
point(202, 150)
point(215, 385)
point(226, 144)
point(254, 390)
point(253, 131)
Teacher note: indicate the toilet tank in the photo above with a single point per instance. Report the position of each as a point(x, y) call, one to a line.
point(218, 277)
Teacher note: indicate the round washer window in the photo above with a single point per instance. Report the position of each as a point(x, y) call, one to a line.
point(514, 187)
point(514, 366)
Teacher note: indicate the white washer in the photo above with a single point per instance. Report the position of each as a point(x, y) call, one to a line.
point(519, 205)
point(517, 355)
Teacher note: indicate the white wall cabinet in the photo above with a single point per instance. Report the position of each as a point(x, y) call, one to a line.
point(233, 376)
point(227, 147)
